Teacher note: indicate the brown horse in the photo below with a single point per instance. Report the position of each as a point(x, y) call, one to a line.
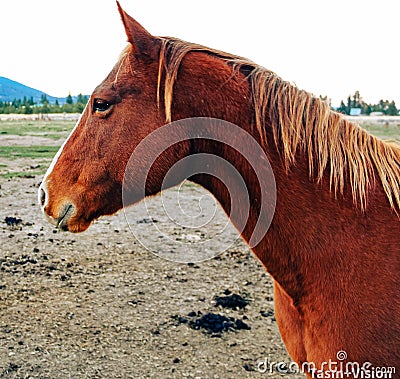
point(333, 247)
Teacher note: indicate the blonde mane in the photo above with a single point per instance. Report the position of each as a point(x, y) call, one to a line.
point(301, 121)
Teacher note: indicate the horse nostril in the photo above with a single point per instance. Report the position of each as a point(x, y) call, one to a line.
point(42, 197)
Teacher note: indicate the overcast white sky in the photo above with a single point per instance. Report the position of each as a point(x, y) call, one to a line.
point(328, 47)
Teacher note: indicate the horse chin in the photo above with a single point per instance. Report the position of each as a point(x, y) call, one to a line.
point(77, 226)
point(73, 222)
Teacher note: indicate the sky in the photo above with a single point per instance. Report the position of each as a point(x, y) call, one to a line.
point(327, 47)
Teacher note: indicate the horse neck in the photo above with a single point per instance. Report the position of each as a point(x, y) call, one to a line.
point(313, 232)
point(283, 249)
point(302, 236)
point(277, 250)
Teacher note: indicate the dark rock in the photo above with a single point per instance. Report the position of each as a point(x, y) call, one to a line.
point(12, 221)
point(146, 221)
point(268, 313)
point(249, 367)
point(212, 323)
point(233, 301)
point(241, 325)
point(12, 367)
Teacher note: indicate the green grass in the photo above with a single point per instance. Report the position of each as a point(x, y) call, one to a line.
point(23, 174)
point(33, 152)
point(391, 132)
point(49, 129)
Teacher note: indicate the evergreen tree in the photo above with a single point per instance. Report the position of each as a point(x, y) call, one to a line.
point(368, 109)
point(43, 99)
point(392, 109)
point(357, 101)
point(69, 100)
point(349, 105)
point(80, 99)
point(342, 108)
point(28, 109)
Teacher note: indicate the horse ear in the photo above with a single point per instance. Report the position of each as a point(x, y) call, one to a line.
point(142, 41)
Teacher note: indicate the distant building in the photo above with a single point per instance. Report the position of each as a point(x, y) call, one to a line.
point(355, 111)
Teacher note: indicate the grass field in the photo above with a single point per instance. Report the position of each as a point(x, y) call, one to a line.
point(29, 158)
point(41, 155)
point(391, 133)
point(49, 129)
point(33, 152)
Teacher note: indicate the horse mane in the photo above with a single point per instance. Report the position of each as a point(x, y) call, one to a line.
point(301, 121)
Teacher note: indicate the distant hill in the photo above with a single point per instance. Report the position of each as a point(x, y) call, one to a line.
point(10, 90)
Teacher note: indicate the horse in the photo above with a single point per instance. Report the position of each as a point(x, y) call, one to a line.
point(333, 243)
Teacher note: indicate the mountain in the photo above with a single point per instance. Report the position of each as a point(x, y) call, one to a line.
point(10, 90)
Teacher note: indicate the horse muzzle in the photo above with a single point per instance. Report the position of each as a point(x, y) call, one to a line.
point(59, 216)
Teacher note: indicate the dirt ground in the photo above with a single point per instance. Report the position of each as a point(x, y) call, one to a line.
point(99, 305)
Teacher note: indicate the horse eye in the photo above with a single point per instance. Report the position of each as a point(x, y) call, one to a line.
point(100, 105)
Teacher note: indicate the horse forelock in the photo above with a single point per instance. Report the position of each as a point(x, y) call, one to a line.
point(300, 121)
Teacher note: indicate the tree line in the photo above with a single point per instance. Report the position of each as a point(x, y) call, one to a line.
point(29, 106)
point(385, 107)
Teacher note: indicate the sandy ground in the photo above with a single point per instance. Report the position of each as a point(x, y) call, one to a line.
point(99, 305)
point(11, 140)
